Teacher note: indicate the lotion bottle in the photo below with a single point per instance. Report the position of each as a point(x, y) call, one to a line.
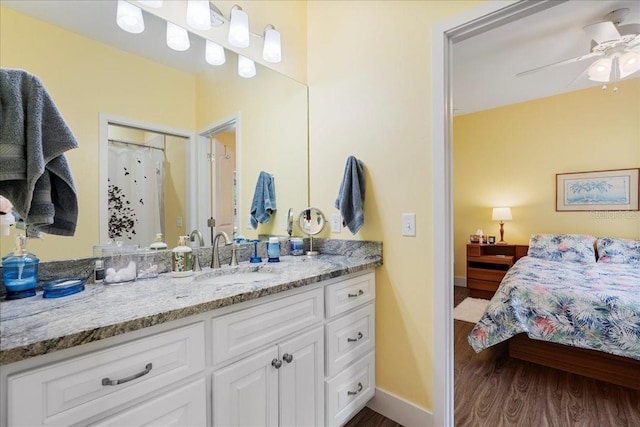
point(182, 259)
point(158, 244)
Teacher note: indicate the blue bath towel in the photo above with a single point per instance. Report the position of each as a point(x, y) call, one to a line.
point(264, 200)
point(350, 199)
point(34, 173)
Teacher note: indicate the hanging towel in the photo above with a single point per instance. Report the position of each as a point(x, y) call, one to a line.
point(351, 196)
point(264, 200)
point(34, 173)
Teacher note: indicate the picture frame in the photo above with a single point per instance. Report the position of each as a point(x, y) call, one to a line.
point(606, 190)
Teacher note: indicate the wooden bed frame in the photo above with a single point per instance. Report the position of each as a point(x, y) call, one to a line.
point(590, 363)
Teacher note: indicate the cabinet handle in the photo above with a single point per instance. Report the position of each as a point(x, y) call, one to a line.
point(287, 357)
point(353, 393)
point(147, 369)
point(276, 363)
point(358, 338)
point(360, 292)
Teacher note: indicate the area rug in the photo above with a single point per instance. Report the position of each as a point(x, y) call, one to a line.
point(470, 310)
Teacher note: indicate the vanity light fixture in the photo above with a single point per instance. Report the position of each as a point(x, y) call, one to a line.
point(129, 17)
point(152, 3)
point(177, 37)
point(214, 53)
point(272, 49)
point(246, 67)
point(239, 27)
point(198, 14)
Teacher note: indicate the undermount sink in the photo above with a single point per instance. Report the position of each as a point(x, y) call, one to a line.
point(239, 278)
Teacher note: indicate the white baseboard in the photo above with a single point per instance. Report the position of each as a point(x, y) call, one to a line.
point(399, 410)
point(460, 281)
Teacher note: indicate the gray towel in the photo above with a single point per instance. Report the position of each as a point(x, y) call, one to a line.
point(350, 199)
point(34, 174)
point(264, 200)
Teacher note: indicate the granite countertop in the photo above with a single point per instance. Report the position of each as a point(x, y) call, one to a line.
point(34, 326)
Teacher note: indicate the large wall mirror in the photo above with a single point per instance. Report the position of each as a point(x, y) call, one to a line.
point(96, 85)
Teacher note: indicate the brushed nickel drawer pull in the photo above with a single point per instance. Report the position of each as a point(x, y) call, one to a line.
point(147, 369)
point(276, 363)
point(360, 292)
point(353, 393)
point(359, 337)
point(287, 357)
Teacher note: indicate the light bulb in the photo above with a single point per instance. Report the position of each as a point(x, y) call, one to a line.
point(600, 70)
point(214, 53)
point(152, 3)
point(629, 63)
point(239, 28)
point(177, 37)
point(198, 14)
point(272, 50)
point(129, 17)
point(246, 67)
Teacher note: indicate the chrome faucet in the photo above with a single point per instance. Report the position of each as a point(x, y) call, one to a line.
point(196, 234)
point(215, 254)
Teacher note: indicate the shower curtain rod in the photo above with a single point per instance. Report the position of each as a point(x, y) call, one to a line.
point(136, 144)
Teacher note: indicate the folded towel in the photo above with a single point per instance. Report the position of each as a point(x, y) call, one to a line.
point(34, 173)
point(264, 200)
point(351, 196)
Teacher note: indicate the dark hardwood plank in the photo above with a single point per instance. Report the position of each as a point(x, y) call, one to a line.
point(369, 418)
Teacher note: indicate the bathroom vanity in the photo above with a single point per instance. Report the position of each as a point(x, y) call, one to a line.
point(291, 344)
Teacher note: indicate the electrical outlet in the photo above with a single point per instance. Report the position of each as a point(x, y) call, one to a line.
point(179, 222)
point(409, 224)
point(336, 223)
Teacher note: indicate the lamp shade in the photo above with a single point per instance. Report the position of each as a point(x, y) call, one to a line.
point(214, 53)
point(272, 49)
point(246, 67)
point(239, 28)
point(629, 64)
point(501, 214)
point(129, 17)
point(198, 14)
point(177, 37)
point(600, 71)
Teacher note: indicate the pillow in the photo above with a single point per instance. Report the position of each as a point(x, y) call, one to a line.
point(618, 251)
point(563, 247)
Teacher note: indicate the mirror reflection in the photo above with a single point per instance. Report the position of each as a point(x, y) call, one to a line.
point(89, 79)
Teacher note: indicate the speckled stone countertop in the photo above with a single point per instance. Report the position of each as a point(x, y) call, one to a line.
point(34, 326)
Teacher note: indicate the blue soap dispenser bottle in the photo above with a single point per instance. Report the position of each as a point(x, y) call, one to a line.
point(20, 271)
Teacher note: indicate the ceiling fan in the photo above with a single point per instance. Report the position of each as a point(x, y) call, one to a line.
point(617, 47)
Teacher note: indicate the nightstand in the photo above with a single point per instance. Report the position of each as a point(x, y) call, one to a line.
point(487, 265)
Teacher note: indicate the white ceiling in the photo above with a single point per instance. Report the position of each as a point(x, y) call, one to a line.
point(484, 65)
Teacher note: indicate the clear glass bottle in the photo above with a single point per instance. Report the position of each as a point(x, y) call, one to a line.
point(20, 271)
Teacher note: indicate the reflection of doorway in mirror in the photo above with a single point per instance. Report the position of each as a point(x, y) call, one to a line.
point(223, 181)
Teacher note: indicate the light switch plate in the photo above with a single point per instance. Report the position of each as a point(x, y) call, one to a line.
point(409, 224)
point(336, 223)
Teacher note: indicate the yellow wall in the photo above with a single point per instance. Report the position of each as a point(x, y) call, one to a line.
point(86, 78)
point(370, 96)
point(509, 156)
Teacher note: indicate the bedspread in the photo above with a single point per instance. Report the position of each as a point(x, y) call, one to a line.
point(594, 306)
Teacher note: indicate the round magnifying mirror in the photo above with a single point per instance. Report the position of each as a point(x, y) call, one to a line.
point(311, 222)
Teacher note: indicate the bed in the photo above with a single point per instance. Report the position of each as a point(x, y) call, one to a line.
point(572, 303)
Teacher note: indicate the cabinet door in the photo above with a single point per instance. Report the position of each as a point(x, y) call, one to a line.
point(246, 392)
point(301, 380)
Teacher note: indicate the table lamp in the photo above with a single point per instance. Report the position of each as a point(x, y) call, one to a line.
point(501, 214)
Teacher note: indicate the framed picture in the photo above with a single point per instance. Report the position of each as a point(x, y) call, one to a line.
point(609, 190)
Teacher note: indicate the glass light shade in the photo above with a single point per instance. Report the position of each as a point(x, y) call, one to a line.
point(246, 67)
point(239, 28)
point(129, 17)
point(214, 53)
point(272, 50)
point(177, 37)
point(152, 3)
point(600, 70)
point(198, 14)
point(629, 64)
point(501, 214)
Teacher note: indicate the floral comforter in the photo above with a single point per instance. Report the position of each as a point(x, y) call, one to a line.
point(594, 306)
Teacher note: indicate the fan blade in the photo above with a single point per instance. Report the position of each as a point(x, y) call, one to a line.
point(602, 32)
point(580, 76)
point(566, 61)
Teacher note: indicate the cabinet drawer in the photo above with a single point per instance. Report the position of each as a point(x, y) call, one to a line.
point(249, 329)
point(348, 392)
point(70, 391)
point(485, 274)
point(350, 293)
point(349, 337)
point(482, 285)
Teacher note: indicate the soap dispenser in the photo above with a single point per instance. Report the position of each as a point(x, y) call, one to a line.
point(182, 259)
point(158, 244)
point(20, 271)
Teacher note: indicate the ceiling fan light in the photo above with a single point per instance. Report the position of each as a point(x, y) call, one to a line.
point(246, 67)
point(629, 64)
point(239, 27)
point(177, 37)
point(272, 49)
point(129, 17)
point(600, 71)
point(198, 14)
point(214, 53)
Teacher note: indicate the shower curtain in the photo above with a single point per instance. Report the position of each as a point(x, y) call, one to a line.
point(136, 193)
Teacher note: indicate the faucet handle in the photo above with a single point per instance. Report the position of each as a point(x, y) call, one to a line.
point(234, 257)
